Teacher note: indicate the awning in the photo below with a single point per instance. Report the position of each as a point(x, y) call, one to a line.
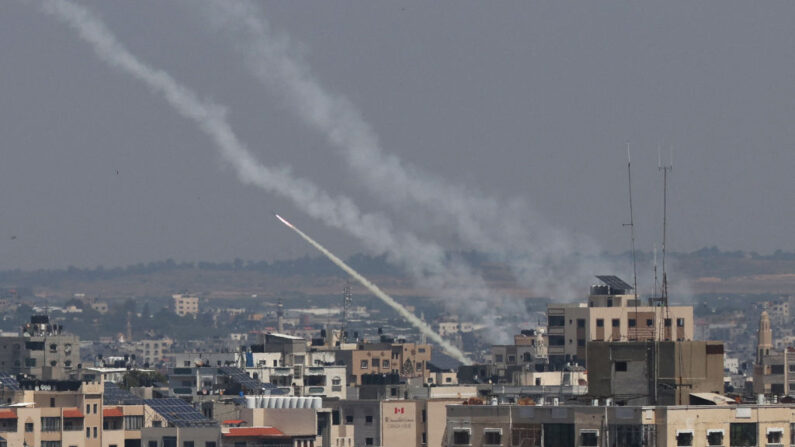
point(7, 414)
point(234, 422)
point(774, 430)
point(72, 413)
point(254, 432)
point(714, 430)
point(112, 412)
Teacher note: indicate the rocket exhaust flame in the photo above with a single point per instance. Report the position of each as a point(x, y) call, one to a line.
point(410, 317)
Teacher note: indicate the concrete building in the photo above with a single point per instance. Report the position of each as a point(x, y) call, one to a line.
point(404, 359)
point(300, 380)
point(42, 350)
point(185, 305)
point(611, 314)
point(774, 370)
point(648, 373)
point(66, 413)
point(572, 426)
point(404, 423)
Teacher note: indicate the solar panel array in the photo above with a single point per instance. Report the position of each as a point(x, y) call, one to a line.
point(614, 282)
point(116, 396)
point(8, 382)
point(179, 413)
point(240, 377)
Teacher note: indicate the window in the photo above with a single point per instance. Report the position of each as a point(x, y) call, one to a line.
point(649, 322)
point(776, 369)
point(616, 322)
point(133, 422)
point(742, 434)
point(385, 364)
point(684, 438)
point(50, 424)
point(209, 444)
point(53, 347)
point(50, 443)
point(368, 419)
point(792, 434)
point(667, 322)
point(95, 408)
point(169, 441)
point(714, 437)
point(609, 302)
point(498, 358)
point(580, 342)
point(600, 322)
point(29, 427)
point(589, 438)
point(364, 364)
point(621, 366)
point(368, 441)
point(557, 340)
point(492, 437)
point(349, 419)
point(556, 320)
point(680, 322)
point(95, 432)
point(632, 322)
point(775, 436)
point(187, 444)
point(461, 437)
point(580, 323)
point(424, 416)
point(88, 408)
point(52, 402)
point(152, 443)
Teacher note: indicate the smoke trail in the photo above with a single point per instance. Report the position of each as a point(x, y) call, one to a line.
point(541, 255)
point(410, 317)
point(425, 262)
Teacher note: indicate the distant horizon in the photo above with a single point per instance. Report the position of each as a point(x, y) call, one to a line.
point(712, 250)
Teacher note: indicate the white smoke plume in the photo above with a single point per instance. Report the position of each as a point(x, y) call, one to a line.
point(543, 257)
point(427, 263)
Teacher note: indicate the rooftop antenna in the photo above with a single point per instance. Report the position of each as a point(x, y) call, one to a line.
point(665, 170)
point(655, 270)
point(631, 226)
point(346, 303)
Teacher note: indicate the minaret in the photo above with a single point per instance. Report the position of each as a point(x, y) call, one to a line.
point(765, 338)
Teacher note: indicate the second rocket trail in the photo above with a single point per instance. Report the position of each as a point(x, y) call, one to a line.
point(410, 317)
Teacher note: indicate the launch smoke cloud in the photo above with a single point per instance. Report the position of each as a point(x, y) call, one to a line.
point(543, 257)
point(425, 262)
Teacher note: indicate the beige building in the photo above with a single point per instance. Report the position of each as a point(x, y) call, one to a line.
point(66, 413)
point(405, 359)
point(575, 426)
point(186, 305)
point(611, 314)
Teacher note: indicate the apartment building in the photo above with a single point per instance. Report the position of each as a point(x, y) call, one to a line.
point(404, 359)
point(41, 350)
point(611, 313)
point(571, 426)
point(300, 380)
point(186, 305)
point(66, 413)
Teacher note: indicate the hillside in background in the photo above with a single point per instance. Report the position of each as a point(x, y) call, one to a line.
point(708, 270)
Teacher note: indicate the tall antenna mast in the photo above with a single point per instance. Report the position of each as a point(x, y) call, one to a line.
point(665, 170)
point(631, 226)
point(346, 302)
point(655, 270)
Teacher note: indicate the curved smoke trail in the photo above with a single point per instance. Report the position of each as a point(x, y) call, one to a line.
point(542, 256)
point(426, 262)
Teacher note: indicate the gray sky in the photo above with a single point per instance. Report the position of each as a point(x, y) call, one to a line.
point(528, 100)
